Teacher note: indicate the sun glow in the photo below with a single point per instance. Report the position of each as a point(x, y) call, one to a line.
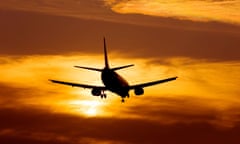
point(201, 84)
point(87, 107)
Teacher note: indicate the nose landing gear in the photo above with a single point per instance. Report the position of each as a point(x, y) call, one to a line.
point(123, 98)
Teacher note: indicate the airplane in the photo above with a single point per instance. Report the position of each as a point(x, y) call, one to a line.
point(113, 81)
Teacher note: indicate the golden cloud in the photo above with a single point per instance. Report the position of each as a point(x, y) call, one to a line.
point(205, 91)
point(200, 10)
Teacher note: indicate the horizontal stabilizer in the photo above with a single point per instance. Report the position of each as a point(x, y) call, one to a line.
point(121, 67)
point(89, 68)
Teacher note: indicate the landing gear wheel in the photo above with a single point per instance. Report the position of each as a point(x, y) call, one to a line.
point(105, 96)
point(123, 100)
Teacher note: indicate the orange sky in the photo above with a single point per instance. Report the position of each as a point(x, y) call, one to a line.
point(43, 40)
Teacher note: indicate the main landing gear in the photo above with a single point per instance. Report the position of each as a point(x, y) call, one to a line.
point(103, 95)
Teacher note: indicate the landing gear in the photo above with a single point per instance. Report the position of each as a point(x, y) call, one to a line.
point(103, 95)
point(125, 96)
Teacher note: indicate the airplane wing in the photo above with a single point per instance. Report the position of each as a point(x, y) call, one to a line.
point(152, 83)
point(78, 85)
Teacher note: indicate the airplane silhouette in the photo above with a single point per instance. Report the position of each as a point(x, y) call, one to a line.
point(113, 81)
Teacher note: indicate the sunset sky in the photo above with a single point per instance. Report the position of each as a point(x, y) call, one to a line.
point(198, 41)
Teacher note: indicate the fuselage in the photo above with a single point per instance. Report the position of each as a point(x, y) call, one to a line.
point(114, 82)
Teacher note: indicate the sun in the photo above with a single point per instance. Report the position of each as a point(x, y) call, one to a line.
point(92, 111)
point(88, 108)
point(91, 108)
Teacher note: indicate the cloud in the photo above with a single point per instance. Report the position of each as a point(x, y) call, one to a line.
point(43, 127)
point(201, 102)
point(200, 10)
point(101, 11)
point(209, 88)
point(47, 34)
point(205, 10)
point(50, 37)
point(82, 9)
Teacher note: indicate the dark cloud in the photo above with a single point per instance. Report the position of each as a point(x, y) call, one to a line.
point(192, 122)
point(34, 33)
point(28, 125)
point(10, 96)
point(185, 109)
point(100, 10)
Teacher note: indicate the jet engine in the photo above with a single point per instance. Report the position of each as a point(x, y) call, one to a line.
point(138, 91)
point(96, 92)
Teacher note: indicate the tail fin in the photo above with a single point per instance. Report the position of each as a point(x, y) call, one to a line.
point(105, 58)
point(105, 54)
